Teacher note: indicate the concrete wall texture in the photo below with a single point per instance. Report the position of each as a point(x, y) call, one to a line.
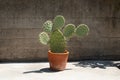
point(21, 22)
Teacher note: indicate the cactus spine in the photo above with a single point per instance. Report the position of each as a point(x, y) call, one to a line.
point(55, 34)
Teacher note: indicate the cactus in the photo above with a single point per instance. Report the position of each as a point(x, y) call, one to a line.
point(56, 34)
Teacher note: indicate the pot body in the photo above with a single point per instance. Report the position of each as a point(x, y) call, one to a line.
point(57, 61)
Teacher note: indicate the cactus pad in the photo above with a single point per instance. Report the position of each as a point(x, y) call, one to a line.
point(58, 22)
point(69, 30)
point(47, 26)
point(44, 38)
point(82, 30)
point(57, 42)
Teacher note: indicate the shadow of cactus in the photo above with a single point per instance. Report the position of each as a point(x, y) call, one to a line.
point(98, 64)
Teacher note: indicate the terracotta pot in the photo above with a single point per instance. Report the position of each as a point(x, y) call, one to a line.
point(57, 61)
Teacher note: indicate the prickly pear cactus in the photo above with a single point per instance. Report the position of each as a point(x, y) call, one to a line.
point(55, 33)
point(57, 42)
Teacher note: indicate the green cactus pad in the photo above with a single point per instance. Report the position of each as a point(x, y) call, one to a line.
point(44, 38)
point(47, 26)
point(58, 22)
point(57, 42)
point(82, 30)
point(69, 30)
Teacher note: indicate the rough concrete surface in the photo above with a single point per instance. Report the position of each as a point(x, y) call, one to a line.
point(83, 70)
point(21, 22)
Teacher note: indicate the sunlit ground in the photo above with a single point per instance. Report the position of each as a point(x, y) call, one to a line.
point(82, 70)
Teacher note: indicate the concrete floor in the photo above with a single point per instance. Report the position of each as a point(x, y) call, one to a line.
point(83, 70)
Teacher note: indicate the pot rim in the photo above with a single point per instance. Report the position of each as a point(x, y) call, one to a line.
point(65, 52)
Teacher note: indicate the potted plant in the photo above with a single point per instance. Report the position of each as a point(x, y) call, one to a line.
point(56, 35)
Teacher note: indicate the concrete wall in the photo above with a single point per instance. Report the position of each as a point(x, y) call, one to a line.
point(21, 22)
